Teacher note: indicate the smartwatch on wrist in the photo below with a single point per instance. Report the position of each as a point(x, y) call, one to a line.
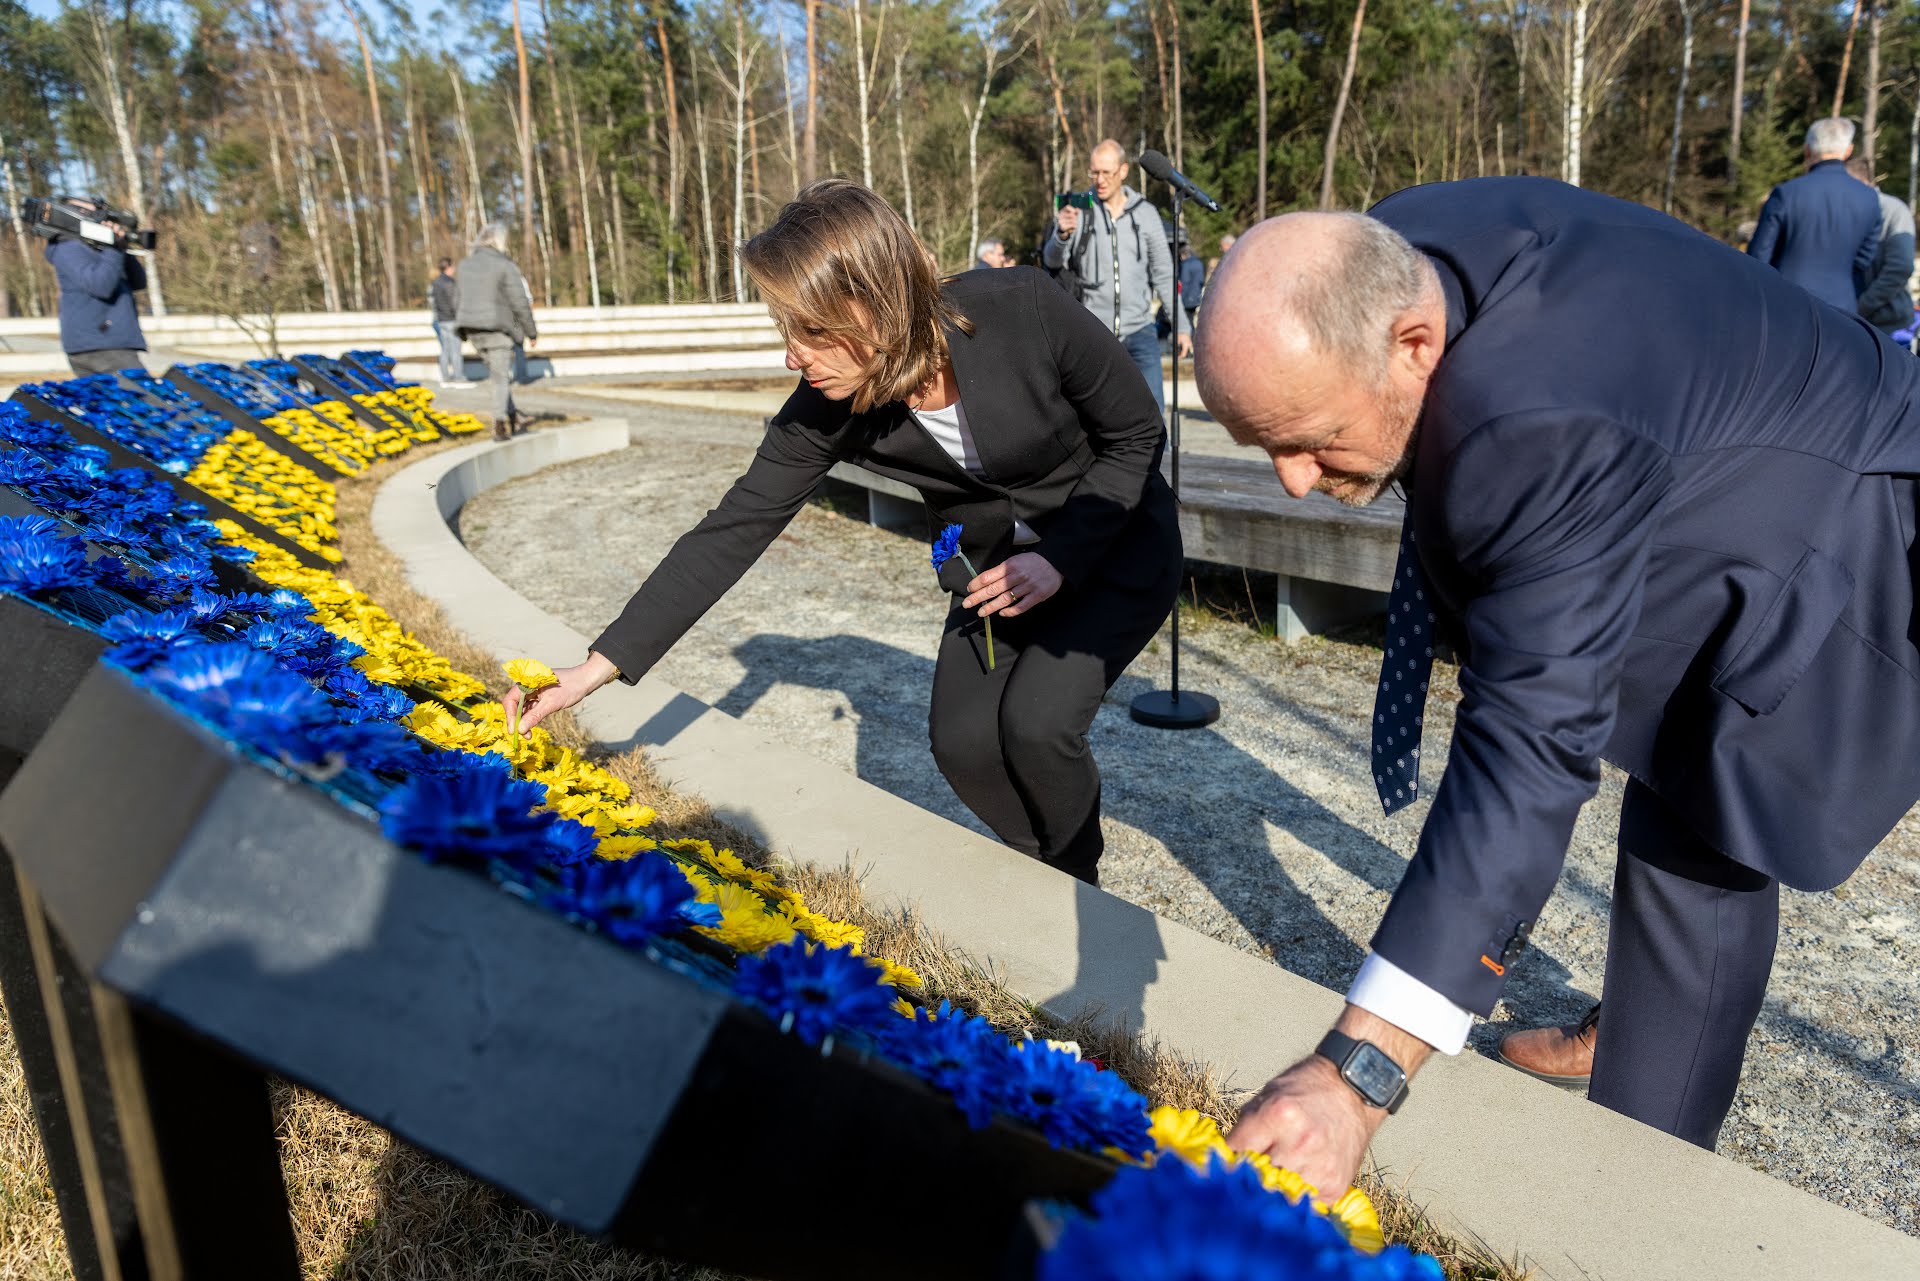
point(1366, 1067)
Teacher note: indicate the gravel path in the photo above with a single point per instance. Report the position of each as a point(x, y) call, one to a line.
point(1263, 830)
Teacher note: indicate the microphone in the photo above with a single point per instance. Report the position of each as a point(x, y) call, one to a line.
point(1158, 166)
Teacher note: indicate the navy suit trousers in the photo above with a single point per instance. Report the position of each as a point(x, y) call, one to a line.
point(1689, 951)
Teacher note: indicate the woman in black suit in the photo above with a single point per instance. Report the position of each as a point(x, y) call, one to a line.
point(1018, 417)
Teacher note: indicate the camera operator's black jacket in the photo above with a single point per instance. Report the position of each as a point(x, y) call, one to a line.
point(1069, 439)
point(97, 284)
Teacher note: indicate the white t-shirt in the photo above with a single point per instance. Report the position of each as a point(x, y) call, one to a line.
point(949, 430)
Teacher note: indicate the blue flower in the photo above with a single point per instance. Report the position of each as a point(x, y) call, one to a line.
point(814, 990)
point(35, 563)
point(572, 844)
point(16, 527)
point(141, 640)
point(183, 573)
point(1073, 1103)
point(1171, 1222)
point(474, 814)
point(631, 900)
point(954, 1052)
point(246, 694)
point(285, 601)
point(206, 606)
point(947, 546)
point(18, 467)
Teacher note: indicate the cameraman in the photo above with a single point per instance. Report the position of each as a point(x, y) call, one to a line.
point(1118, 253)
point(99, 328)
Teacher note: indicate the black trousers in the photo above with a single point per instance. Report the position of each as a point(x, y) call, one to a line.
point(1012, 741)
point(109, 360)
point(1689, 951)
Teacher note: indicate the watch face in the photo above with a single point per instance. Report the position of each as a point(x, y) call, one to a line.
point(1371, 1072)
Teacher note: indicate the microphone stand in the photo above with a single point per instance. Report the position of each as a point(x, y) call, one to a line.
point(1173, 708)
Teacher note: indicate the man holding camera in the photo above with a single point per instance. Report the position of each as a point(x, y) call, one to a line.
point(99, 328)
point(1113, 246)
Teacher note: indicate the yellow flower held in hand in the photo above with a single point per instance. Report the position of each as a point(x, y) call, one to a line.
point(530, 673)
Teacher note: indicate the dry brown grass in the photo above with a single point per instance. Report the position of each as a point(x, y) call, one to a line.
point(367, 1207)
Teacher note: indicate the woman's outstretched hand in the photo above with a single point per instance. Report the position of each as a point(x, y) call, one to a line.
point(1014, 586)
point(574, 684)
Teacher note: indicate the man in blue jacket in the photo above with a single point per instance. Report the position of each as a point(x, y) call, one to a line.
point(99, 328)
point(1821, 228)
point(1682, 548)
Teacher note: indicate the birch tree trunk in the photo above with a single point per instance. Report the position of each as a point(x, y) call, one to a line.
point(1680, 98)
point(1739, 94)
point(1260, 110)
point(712, 274)
point(380, 154)
point(409, 126)
point(1576, 92)
point(476, 212)
point(300, 153)
point(973, 142)
point(1913, 151)
point(119, 89)
point(786, 103)
point(19, 228)
point(1870, 118)
point(675, 148)
point(1340, 106)
point(811, 169)
point(1179, 102)
point(525, 122)
point(860, 72)
point(580, 181)
point(743, 59)
point(574, 196)
point(900, 132)
point(347, 210)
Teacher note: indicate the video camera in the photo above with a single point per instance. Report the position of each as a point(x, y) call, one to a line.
point(71, 216)
point(1074, 200)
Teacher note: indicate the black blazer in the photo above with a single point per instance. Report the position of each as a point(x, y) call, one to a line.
point(1820, 231)
point(1068, 433)
point(1665, 499)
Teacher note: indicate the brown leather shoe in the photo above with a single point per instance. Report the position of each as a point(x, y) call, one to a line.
point(501, 430)
point(1561, 1056)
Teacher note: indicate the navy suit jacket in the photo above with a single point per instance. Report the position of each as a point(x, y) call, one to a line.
point(1664, 501)
point(1820, 230)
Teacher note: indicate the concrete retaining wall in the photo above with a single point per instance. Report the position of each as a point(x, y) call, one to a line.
point(1572, 1189)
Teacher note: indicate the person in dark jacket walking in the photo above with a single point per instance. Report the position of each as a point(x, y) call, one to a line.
point(443, 296)
point(1017, 415)
point(1820, 229)
point(1884, 301)
point(99, 327)
point(495, 314)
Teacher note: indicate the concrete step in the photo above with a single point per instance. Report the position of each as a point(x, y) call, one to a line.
point(564, 343)
point(413, 318)
point(541, 367)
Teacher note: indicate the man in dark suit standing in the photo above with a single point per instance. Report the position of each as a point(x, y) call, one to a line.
point(1821, 228)
point(1693, 565)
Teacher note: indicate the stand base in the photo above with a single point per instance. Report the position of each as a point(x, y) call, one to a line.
point(1176, 709)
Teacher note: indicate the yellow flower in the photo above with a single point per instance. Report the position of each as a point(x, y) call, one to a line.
point(898, 975)
point(823, 929)
point(1187, 1134)
point(530, 673)
point(618, 848)
point(904, 1008)
point(745, 925)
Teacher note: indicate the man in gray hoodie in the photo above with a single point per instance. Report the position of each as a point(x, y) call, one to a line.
point(1119, 255)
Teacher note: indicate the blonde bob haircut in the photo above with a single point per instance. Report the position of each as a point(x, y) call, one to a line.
point(839, 263)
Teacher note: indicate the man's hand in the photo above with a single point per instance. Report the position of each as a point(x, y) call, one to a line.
point(575, 683)
point(1312, 1122)
point(1068, 220)
point(1014, 586)
point(1183, 346)
point(532, 343)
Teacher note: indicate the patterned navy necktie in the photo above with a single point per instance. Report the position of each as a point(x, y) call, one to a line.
point(1405, 668)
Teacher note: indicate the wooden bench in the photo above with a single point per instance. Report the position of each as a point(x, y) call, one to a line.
point(1334, 563)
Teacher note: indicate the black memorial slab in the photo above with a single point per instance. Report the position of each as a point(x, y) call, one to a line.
point(240, 420)
point(119, 455)
point(608, 1090)
point(332, 381)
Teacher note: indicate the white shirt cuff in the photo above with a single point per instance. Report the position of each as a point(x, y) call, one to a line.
point(1384, 989)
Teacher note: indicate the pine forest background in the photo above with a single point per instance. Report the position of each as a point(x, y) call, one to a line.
point(629, 143)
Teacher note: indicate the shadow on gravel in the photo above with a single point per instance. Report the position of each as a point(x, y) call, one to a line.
point(1263, 848)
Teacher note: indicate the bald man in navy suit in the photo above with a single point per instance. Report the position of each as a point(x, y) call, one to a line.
point(1661, 501)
